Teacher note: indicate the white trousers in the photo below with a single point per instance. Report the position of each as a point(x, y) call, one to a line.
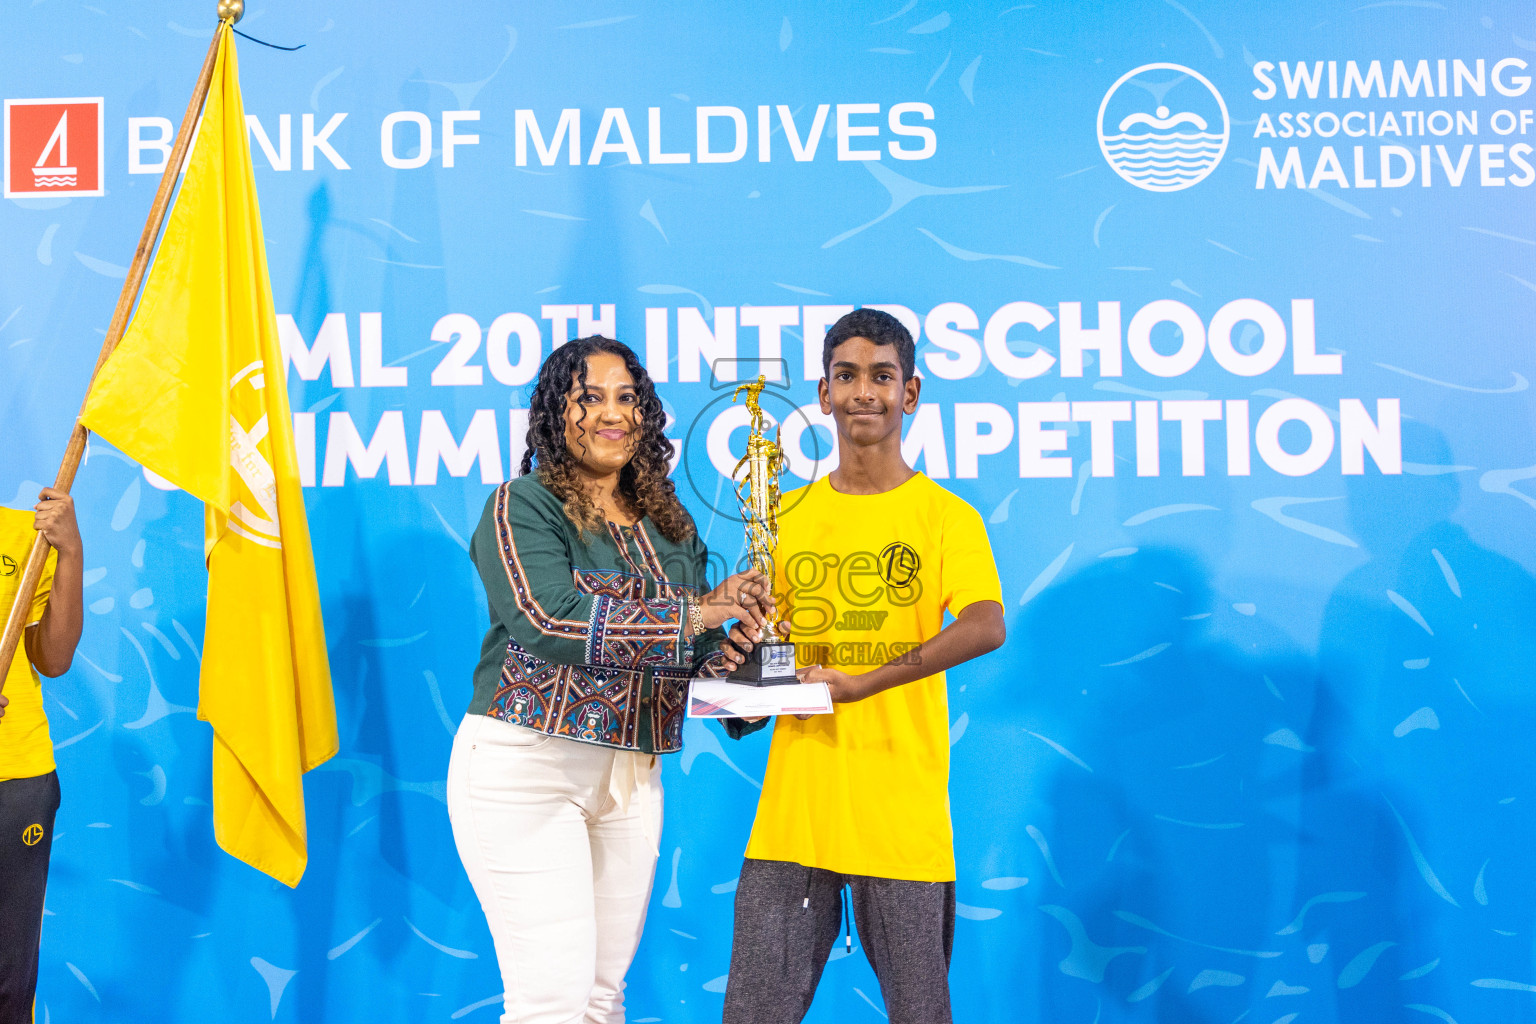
point(559, 841)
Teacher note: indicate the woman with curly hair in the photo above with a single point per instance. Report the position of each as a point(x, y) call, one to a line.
point(595, 578)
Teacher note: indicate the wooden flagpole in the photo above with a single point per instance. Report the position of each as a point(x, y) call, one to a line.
point(230, 12)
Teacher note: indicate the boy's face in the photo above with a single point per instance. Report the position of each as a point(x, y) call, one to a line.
point(864, 392)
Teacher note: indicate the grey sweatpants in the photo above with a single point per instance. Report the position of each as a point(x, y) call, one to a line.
point(788, 916)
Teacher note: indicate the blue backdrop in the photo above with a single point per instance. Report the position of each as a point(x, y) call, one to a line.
point(1258, 746)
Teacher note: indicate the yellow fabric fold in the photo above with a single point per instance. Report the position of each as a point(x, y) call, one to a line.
point(195, 392)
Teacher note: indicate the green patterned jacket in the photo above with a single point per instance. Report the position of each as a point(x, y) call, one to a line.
point(586, 638)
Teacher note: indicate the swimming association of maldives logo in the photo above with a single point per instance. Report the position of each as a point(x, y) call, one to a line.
point(1163, 127)
point(53, 148)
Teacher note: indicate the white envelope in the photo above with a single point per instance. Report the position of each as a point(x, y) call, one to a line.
point(721, 698)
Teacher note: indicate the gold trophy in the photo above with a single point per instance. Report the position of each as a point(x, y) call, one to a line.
point(771, 660)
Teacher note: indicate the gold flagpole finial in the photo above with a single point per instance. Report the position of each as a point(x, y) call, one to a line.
point(231, 10)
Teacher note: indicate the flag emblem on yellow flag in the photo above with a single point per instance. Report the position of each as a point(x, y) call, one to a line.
point(195, 392)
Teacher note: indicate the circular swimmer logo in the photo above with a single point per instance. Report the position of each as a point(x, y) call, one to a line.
point(1163, 127)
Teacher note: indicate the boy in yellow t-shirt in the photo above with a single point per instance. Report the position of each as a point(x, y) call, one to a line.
point(29, 787)
point(869, 560)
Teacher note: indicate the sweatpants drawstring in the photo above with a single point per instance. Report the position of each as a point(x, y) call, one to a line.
point(847, 906)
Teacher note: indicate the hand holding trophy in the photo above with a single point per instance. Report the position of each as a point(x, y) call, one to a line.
point(771, 660)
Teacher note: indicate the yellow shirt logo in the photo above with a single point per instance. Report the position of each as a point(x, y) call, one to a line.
point(899, 564)
point(32, 834)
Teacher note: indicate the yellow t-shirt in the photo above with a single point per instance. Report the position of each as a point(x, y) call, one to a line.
point(862, 579)
point(26, 750)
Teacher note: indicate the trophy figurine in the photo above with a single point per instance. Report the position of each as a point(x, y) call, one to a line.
point(771, 660)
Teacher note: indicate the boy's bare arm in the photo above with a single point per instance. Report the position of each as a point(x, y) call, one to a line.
point(51, 641)
point(977, 630)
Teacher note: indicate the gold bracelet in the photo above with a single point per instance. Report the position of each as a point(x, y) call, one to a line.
point(695, 616)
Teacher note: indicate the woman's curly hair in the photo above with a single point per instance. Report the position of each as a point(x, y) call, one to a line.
point(643, 482)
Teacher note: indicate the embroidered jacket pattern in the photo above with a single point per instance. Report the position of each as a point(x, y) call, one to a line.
point(586, 639)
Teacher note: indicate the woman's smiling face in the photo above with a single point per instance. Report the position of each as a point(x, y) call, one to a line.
point(602, 420)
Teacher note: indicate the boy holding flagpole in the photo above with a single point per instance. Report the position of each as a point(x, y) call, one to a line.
point(29, 786)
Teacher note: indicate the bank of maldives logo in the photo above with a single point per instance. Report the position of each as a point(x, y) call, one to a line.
point(53, 148)
point(1163, 127)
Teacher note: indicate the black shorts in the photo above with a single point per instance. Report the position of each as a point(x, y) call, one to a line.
point(27, 808)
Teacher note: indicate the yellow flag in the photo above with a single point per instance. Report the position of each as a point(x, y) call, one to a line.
point(195, 392)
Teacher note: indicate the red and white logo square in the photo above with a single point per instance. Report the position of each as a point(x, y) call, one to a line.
point(53, 148)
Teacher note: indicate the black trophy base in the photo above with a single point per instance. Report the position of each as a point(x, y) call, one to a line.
point(766, 665)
